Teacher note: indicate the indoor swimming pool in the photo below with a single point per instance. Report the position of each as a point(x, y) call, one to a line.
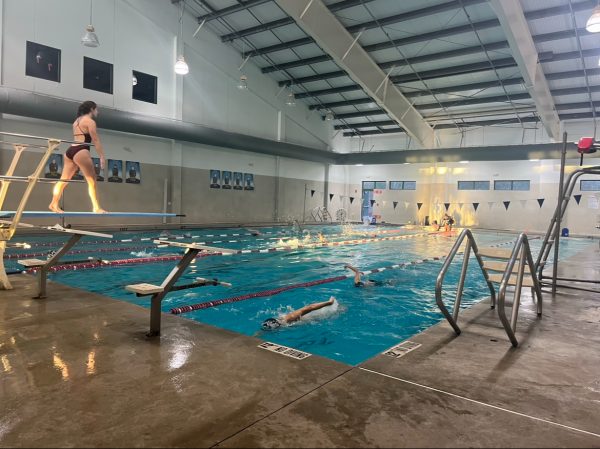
point(362, 322)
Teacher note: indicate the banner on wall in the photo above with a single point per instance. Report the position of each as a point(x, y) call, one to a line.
point(98, 169)
point(226, 180)
point(447, 206)
point(331, 196)
point(395, 204)
point(506, 204)
point(540, 201)
point(312, 193)
point(54, 167)
point(134, 174)
point(248, 181)
point(475, 206)
point(373, 202)
point(238, 180)
point(215, 179)
point(115, 169)
point(577, 198)
point(351, 199)
point(419, 206)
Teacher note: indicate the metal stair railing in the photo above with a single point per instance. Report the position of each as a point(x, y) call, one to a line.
point(470, 245)
point(561, 208)
point(522, 252)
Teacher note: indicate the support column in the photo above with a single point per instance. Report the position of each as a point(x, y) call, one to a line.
point(326, 188)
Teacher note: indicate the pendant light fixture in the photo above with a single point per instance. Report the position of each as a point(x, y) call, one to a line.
point(291, 98)
point(181, 67)
point(243, 83)
point(593, 23)
point(90, 39)
point(329, 116)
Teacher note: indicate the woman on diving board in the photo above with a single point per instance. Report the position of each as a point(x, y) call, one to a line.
point(79, 157)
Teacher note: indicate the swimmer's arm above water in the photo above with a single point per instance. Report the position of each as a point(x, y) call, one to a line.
point(297, 314)
point(357, 273)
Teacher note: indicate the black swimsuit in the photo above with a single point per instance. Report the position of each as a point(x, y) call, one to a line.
point(74, 149)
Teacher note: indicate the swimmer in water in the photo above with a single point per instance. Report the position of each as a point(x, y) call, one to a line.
point(357, 278)
point(296, 315)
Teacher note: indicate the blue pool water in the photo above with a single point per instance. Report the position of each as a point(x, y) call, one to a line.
point(362, 323)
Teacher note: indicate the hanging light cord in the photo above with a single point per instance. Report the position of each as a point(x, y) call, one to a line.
point(91, 10)
point(182, 2)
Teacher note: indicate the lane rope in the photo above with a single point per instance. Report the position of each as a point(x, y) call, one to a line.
point(276, 291)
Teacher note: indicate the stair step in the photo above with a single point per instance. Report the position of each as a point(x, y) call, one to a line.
point(497, 278)
point(496, 253)
point(494, 265)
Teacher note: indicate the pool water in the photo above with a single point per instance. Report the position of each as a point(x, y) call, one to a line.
point(362, 322)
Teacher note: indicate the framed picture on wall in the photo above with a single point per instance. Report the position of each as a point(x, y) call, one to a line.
point(54, 167)
point(248, 181)
point(99, 171)
point(238, 179)
point(215, 179)
point(42, 62)
point(115, 170)
point(134, 175)
point(226, 180)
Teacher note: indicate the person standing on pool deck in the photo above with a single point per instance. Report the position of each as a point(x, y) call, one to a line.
point(78, 156)
point(296, 315)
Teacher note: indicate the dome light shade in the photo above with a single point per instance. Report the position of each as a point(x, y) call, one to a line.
point(181, 67)
point(243, 84)
point(90, 39)
point(593, 23)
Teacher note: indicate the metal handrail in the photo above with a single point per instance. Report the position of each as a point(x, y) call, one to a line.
point(471, 244)
point(522, 251)
point(561, 208)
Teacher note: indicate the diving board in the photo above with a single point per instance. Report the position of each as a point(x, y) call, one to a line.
point(43, 213)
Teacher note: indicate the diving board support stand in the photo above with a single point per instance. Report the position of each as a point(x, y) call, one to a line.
point(159, 292)
point(44, 266)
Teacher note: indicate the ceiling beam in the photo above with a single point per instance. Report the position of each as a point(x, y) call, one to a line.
point(345, 4)
point(515, 26)
point(317, 21)
point(425, 75)
point(242, 5)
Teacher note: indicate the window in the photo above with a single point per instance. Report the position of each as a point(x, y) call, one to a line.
point(42, 62)
point(473, 185)
point(145, 87)
point(368, 185)
point(97, 75)
point(512, 185)
point(381, 185)
point(403, 185)
point(589, 186)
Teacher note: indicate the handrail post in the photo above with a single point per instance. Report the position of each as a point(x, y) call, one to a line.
point(461, 282)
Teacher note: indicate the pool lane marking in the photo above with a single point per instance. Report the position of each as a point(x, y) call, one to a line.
point(276, 291)
point(474, 401)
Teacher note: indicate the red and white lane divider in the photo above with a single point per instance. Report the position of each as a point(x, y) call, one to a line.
point(171, 258)
point(79, 251)
point(276, 291)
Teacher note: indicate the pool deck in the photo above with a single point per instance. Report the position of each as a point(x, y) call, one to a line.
point(76, 370)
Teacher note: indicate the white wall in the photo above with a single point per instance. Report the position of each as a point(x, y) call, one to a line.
point(142, 35)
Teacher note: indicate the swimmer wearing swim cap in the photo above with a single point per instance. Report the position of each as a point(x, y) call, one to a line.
point(273, 323)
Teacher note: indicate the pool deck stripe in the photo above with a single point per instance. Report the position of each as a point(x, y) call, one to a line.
point(484, 404)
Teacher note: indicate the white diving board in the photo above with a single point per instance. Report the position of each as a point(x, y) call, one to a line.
point(195, 246)
point(43, 213)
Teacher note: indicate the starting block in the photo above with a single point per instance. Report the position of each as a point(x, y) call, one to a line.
point(44, 266)
point(195, 246)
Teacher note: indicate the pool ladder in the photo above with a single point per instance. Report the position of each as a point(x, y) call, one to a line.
point(507, 267)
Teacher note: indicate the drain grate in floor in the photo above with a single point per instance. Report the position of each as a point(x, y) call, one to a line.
point(284, 350)
point(400, 350)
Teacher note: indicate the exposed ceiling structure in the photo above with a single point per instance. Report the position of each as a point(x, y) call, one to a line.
point(455, 60)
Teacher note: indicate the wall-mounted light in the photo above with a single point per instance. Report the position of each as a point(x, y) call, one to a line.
point(90, 39)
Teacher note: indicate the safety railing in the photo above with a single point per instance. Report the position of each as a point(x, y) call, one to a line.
point(470, 245)
point(522, 252)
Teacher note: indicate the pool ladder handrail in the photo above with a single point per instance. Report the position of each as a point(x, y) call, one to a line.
point(521, 251)
point(471, 244)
